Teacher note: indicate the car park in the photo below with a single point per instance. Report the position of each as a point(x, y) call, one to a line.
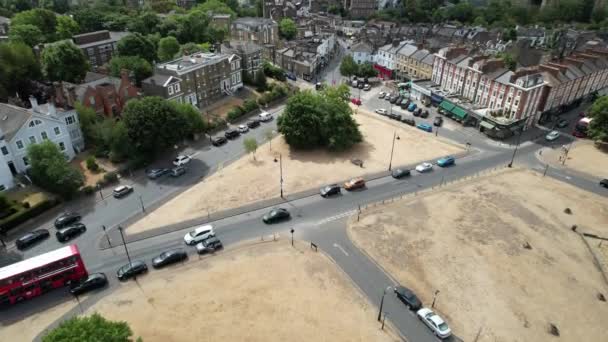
point(276, 215)
point(66, 219)
point(408, 121)
point(218, 141)
point(400, 173)
point(156, 173)
point(253, 123)
point(424, 167)
point(562, 123)
point(199, 234)
point(67, 233)
point(169, 257)
point(131, 270)
point(177, 171)
point(356, 101)
point(93, 281)
point(407, 297)
point(367, 87)
point(552, 136)
point(122, 191)
point(181, 160)
point(438, 121)
point(411, 107)
point(231, 133)
point(355, 183)
point(425, 127)
point(210, 245)
point(446, 161)
point(424, 114)
point(381, 111)
point(434, 322)
point(604, 183)
point(330, 190)
point(243, 129)
point(31, 238)
point(265, 116)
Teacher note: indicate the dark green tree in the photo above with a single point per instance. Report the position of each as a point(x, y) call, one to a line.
point(50, 170)
point(145, 23)
point(348, 67)
point(215, 6)
point(168, 47)
point(66, 27)
point(260, 80)
point(598, 128)
point(366, 70)
point(27, 34)
point(193, 117)
point(190, 48)
point(90, 328)
point(137, 45)
point(87, 118)
point(140, 67)
point(18, 65)
point(509, 34)
point(89, 20)
point(288, 28)
point(58, 6)
point(64, 61)
point(43, 19)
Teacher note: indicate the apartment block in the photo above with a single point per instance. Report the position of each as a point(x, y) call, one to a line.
point(100, 46)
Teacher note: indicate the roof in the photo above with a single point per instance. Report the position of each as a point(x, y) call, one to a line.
point(407, 50)
point(239, 46)
point(114, 37)
point(12, 118)
point(253, 22)
point(428, 59)
point(505, 78)
point(464, 62)
point(157, 79)
point(420, 54)
point(4, 20)
point(192, 62)
point(38, 261)
point(362, 47)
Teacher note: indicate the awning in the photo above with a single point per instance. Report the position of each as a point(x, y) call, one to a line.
point(446, 105)
point(459, 112)
point(486, 124)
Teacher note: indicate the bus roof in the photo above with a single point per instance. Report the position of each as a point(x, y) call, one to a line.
point(585, 120)
point(37, 261)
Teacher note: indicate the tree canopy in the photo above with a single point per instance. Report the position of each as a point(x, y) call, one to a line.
point(27, 34)
point(140, 67)
point(18, 66)
point(288, 28)
point(66, 27)
point(168, 47)
point(90, 328)
point(348, 67)
point(43, 19)
point(50, 170)
point(598, 128)
point(64, 61)
point(137, 45)
point(215, 6)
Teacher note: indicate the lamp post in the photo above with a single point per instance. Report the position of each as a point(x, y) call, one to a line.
point(281, 171)
point(141, 201)
point(124, 243)
point(382, 302)
point(516, 147)
point(291, 231)
point(106, 234)
point(390, 163)
point(434, 298)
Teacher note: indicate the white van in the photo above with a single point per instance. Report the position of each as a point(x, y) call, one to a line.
point(199, 234)
point(265, 116)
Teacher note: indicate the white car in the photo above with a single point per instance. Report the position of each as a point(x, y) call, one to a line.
point(243, 129)
point(199, 234)
point(424, 167)
point(181, 160)
point(553, 135)
point(432, 320)
point(265, 116)
point(381, 95)
point(381, 111)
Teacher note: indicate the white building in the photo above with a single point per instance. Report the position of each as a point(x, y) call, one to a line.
point(21, 127)
point(328, 44)
point(362, 52)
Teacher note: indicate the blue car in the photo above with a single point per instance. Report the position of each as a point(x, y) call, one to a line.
point(446, 161)
point(425, 127)
point(412, 107)
point(290, 76)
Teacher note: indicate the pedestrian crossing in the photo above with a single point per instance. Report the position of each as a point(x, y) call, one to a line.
point(336, 217)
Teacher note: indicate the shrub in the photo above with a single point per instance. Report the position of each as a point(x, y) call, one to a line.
point(110, 177)
point(116, 157)
point(88, 190)
point(235, 113)
point(21, 216)
point(250, 105)
point(92, 164)
point(26, 204)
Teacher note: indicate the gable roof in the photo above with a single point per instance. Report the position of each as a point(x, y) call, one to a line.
point(362, 47)
point(12, 118)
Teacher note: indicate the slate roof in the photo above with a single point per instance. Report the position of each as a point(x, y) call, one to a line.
point(420, 54)
point(11, 119)
point(429, 59)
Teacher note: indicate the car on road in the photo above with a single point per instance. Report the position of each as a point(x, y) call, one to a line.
point(408, 298)
point(381, 111)
point(31, 238)
point(604, 183)
point(68, 233)
point(381, 95)
point(424, 114)
point(210, 245)
point(552, 136)
point(425, 127)
point(169, 257)
point(356, 101)
point(131, 270)
point(276, 215)
point(579, 134)
point(177, 171)
point(400, 173)
point(243, 129)
point(355, 183)
point(438, 121)
point(434, 322)
point(122, 191)
point(418, 112)
point(389, 96)
point(411, 107)
point(231, 133)
point(199, 234)
point(446, 161)
point(253, 123)
point(367, 87)
point(156, 173)
point(218, 141)
point(66, 219)
point(393, 99)
point(395, 116)
point(562, 123)
point(92, 282)
point(181, 160)
point(330, 190)
point(265, 116)
point(424, 167)
point(360, 85)
point(408, 121)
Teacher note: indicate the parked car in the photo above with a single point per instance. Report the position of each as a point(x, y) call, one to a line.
point(425, 127)
point(199, 234)
point(356, 101)
point(177, 171)
point(70, 232)
point(579, 134)
point(217, 141)
point(122, 191)
point(66, 219)
point(389, 96)
point(393, 99)
point(418, 112)
point(276, 215)
point(243, 129)
point(329, 190)
point(424, 167)
point(582, 114)
point(265, 116)
point(408, 298)
point(408, 121)
point(438, 121)
point(367, 87)
point(354, 83)
point(169, 257)
point(131, 270)
point(210, 245)
point(31, 238)
point(290, 76)
point(562, 123)
point(604, 183)
point(181, 160)
point(395, 116)
point(355, 183)
point(253, 123)
point(381, 95)
point(424, 114)
point(318, 86)
point(434, 322)
point(446, 161)
point(231, 133)
point(92, 282)
point(411, 107)
point(400, 173)
point(552, 136)
point(381, 111)
point(156, 173)
point(360, 85)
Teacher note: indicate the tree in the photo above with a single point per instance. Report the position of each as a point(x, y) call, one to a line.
point(215, 6)
point(51, 171)
point(43, 19)
point(18, 65)
point(348, 67)
point(168, 47)
point(251, 145)
point(269, 134)
point(145, 23)
point(192, 116)
point(288, 28)
point(59, 6)
point(90, 328)
point(509, 34)
point(190, 48)
point(137, 45)
point(66, 27)
point(366, 70)
point(88, 19)
point(140, 67)
point(27, 34)
point(88, 118)
point(260, 80)
point(598, 127)
point(509, 60)
point(64, 61)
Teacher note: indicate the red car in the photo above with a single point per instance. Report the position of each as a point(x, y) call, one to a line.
point(579, 134)
point(356, 101)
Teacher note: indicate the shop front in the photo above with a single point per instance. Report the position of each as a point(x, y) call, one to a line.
point(420, 93)
point(436, 99)
point(383, 72)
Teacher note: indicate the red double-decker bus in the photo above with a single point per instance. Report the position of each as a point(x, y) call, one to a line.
point(40, 274)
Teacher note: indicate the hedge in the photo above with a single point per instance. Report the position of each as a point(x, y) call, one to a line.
point(26, 214)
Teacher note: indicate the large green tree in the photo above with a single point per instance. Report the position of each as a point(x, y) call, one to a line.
point(321, 119)
point(140, 67)
point(215, 6)
point(50, 170)
point(145, 23)
point(45, 20)
point(598, 128)
point(168, 47)
point(288, 28)
point(28, 34)
point(193, 117)
point(348, 66)
point(64, 61)
point(90, 328)
point(366, 70)
point(18, 65)
point(66, 27)
point(137, 45)
point(89, 20)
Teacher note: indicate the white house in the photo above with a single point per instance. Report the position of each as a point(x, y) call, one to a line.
point(362, 52)
point(21, 127)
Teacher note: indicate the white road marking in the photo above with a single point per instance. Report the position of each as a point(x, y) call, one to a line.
point(194, 154)
point(340, 248)
point(336, 217)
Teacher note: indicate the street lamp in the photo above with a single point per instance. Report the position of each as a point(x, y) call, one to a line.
point(390, 163)
point(120, 229)
point(382, 302)
point(291, 231)
point(434, 298)
point(516, 146)
point(281, 171)
point(106, 234)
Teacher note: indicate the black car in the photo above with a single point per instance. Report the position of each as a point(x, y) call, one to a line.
point(208, 245)
point(408, 121)
point(424, 114)
point(332, 189)
point(400, 173)
point(276, 215)
point(93, 281)
point(395, 116)
point(69, 232)
point(360, 85)
point(393, 99)
point(408, 298)
point(67, 219)
point(217, 141)
point(169, 257)
point(232, 133)
point(253, 123)
point(156, 173)
point(31, 238)
point(418, 112)
point(438, 121)
point(604, 183)
point(130, 270)
point(562, 123)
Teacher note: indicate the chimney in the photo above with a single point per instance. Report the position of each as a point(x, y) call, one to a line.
point(395, 42)
point(153, 81)
point(71, 100)
point(34, 103)
point(59, 95)
point(52, 109)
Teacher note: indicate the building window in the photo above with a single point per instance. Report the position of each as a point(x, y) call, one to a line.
point(2, 187)
point(26, 161)
point(32, 140)
point(62, 146)
point(170, 90)
point(92, 100)
point(57, 130)
point(44, 135)
point(176, 85)
point(69, 120)
point(32, 124)
point(19, 144)
point(4, 150)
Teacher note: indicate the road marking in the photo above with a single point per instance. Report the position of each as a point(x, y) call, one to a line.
point(336, 217)
point(340, 248)
point(194, 154)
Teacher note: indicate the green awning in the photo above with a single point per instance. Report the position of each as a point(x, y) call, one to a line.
point(486, 124)
point(459, 112)
point(446, 105)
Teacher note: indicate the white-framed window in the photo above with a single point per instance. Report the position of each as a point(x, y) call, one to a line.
point(170, 90)
point(32, 139)
point(176, 86)
point(32, 124)
point(57, 130)
point(61, 146)
point(4, 150)
point(19, 144)
point(44, 135)
point(69, 120)
point(26, 161)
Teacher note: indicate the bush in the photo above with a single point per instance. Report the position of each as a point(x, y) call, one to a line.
point(26, 204)
point(24, 215)
point(250, 105)
point(92, 164)
point(236, 113)
point(110, 177)
point(88, 190)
